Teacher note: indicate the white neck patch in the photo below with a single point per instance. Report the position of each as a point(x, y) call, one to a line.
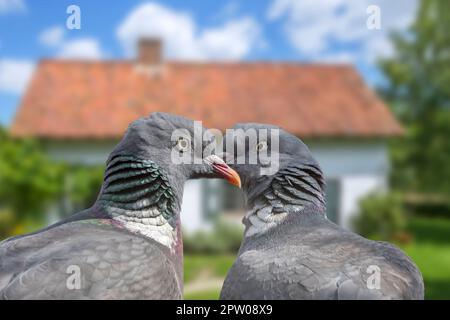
point(149, 223)
point(262, 220)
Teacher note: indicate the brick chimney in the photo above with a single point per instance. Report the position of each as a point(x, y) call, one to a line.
point(150, 52)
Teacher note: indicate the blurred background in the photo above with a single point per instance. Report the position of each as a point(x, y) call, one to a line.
point(366, 84)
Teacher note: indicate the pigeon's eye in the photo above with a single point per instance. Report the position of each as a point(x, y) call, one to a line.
point(183, 144)
point(261, 146)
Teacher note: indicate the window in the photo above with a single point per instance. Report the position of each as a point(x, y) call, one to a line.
point(220, 197)
point(232, 197)
point(332, 198)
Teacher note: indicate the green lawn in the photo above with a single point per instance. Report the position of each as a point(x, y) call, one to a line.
point(430, 249)
point(216, 265)
point(203, 295)
point(431, 252)
point(200, 269)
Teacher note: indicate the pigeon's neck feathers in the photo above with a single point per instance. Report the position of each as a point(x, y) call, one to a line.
point(290, 191)
point(298, 185)
point(137, 194)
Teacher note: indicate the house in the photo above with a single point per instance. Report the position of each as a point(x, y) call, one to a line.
point(81, 109)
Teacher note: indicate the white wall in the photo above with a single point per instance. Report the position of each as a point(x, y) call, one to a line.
point(339, 159)
point(360, 168)
point(92, 153)
point(353, 188)
point(191, 209)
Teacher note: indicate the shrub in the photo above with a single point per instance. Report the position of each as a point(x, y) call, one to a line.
point(224, 237)
point(29, 180)
point(83, 184)
point(381, 217)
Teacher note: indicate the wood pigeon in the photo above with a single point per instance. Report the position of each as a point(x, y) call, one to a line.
point(128, 245)
point(290, 249)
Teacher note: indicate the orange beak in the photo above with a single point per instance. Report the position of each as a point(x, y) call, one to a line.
point(224, 170)
point(227, 173)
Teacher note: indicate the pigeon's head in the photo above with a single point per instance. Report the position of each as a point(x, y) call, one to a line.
point(176, 145)
point(265, 153)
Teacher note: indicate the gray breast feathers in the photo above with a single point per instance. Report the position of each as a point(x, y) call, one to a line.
point(325, 269)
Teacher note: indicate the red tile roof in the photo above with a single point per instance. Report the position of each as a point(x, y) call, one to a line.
point(74, 99)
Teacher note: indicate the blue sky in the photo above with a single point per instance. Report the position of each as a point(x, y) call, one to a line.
point(277, 30)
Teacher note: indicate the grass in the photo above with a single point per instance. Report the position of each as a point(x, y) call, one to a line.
point(199, 269)
point(203, 295)
point(216, 265)
point(430, 250)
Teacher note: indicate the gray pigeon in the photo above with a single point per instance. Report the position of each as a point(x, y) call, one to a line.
point(291, 250)
point(128, 245)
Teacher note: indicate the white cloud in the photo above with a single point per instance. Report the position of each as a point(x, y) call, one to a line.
point(14, 75)
point(52, 36)
point(8, 6)
point(83, 48)
point(234, 40)
point(182, 38)
point(315, 28)
point(336, 57)
point(87, 48)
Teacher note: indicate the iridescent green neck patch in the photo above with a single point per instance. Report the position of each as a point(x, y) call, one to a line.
point(134, 184)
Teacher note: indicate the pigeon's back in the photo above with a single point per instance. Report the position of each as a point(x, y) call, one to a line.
point(90, 259)
point(320, 260)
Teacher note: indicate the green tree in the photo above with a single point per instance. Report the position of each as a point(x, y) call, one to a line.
point(29, 181)
point(82, 185)
point(418, 89)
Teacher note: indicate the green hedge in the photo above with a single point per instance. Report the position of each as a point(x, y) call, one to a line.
point(224, 237)
point(381, 216)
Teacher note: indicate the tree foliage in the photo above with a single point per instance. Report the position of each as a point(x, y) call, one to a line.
point(28, 179)
point(83, 184)
point(418, 89)
point(31, 184)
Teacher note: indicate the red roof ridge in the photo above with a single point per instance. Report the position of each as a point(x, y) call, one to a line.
point(310, 100)
point(249, 63)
